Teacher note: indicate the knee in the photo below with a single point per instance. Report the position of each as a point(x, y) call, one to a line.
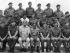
point(20, 39)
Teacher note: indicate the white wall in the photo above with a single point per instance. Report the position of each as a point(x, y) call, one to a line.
point(65, 4)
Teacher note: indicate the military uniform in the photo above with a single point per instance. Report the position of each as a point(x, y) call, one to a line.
point(58, 14)
point(9, 12)
point(48, 12)
point(45, 34)
point(56, 33)
point(35, 41)
point(66, 31)
point(12, 41)
point(39, 13)
point(3, 32)
point(21, 12)
point(29, 12)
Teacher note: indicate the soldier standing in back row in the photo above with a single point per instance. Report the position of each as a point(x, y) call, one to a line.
point(58, 13)
point(20, 11)
point(48, 12)
point(39, 12)
point(29, 10)
point(9, 11)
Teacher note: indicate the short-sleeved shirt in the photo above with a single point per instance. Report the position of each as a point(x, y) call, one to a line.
point(9, 11)
point(29, 11)
point(24, 31)
point(55, 32)
point(12, 29)
point(45, 32)
point(39, 13)
point(48, 12)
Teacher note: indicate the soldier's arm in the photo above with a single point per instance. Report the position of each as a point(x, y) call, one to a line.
point(47, 37)
point(62, 14)
point(9, 32)
point(14, 11)
point(20, 32)
point(34, 11)
point(52, 13)
point(16, 32)
point(5, 12)
point(26, 11)
point(42, 35)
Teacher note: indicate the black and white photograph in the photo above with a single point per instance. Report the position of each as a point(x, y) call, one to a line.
point(34, 26)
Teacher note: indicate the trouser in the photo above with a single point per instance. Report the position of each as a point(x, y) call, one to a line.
point(11, 43)
point(48, 45)
point(62, 45)
point(56, 45)
point(67, 45)
point(35, 44)
point(24, 42)
point(4, 44)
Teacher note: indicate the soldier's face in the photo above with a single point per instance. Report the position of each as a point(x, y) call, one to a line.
point(20, 6)
point(30, 4)
point(39, 6)
point(58, 7)
point(48, 6)
point(10, 5)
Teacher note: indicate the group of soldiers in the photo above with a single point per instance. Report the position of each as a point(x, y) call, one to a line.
point(35, 27)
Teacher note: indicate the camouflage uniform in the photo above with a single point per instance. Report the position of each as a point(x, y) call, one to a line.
point(3, 30)
point(45, 30)
point(58, 14)
point(35, 41)
point(39, 13)
point(9, 13)
point(48, 12)
point(56, 33)
point(65, 25)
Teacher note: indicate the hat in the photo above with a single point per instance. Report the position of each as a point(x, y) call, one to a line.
point(48, 4)
point(29, 2)
point(66, 12)
point(39, 4)
point(57, 5)
point(20, 4)
point(10, 3)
